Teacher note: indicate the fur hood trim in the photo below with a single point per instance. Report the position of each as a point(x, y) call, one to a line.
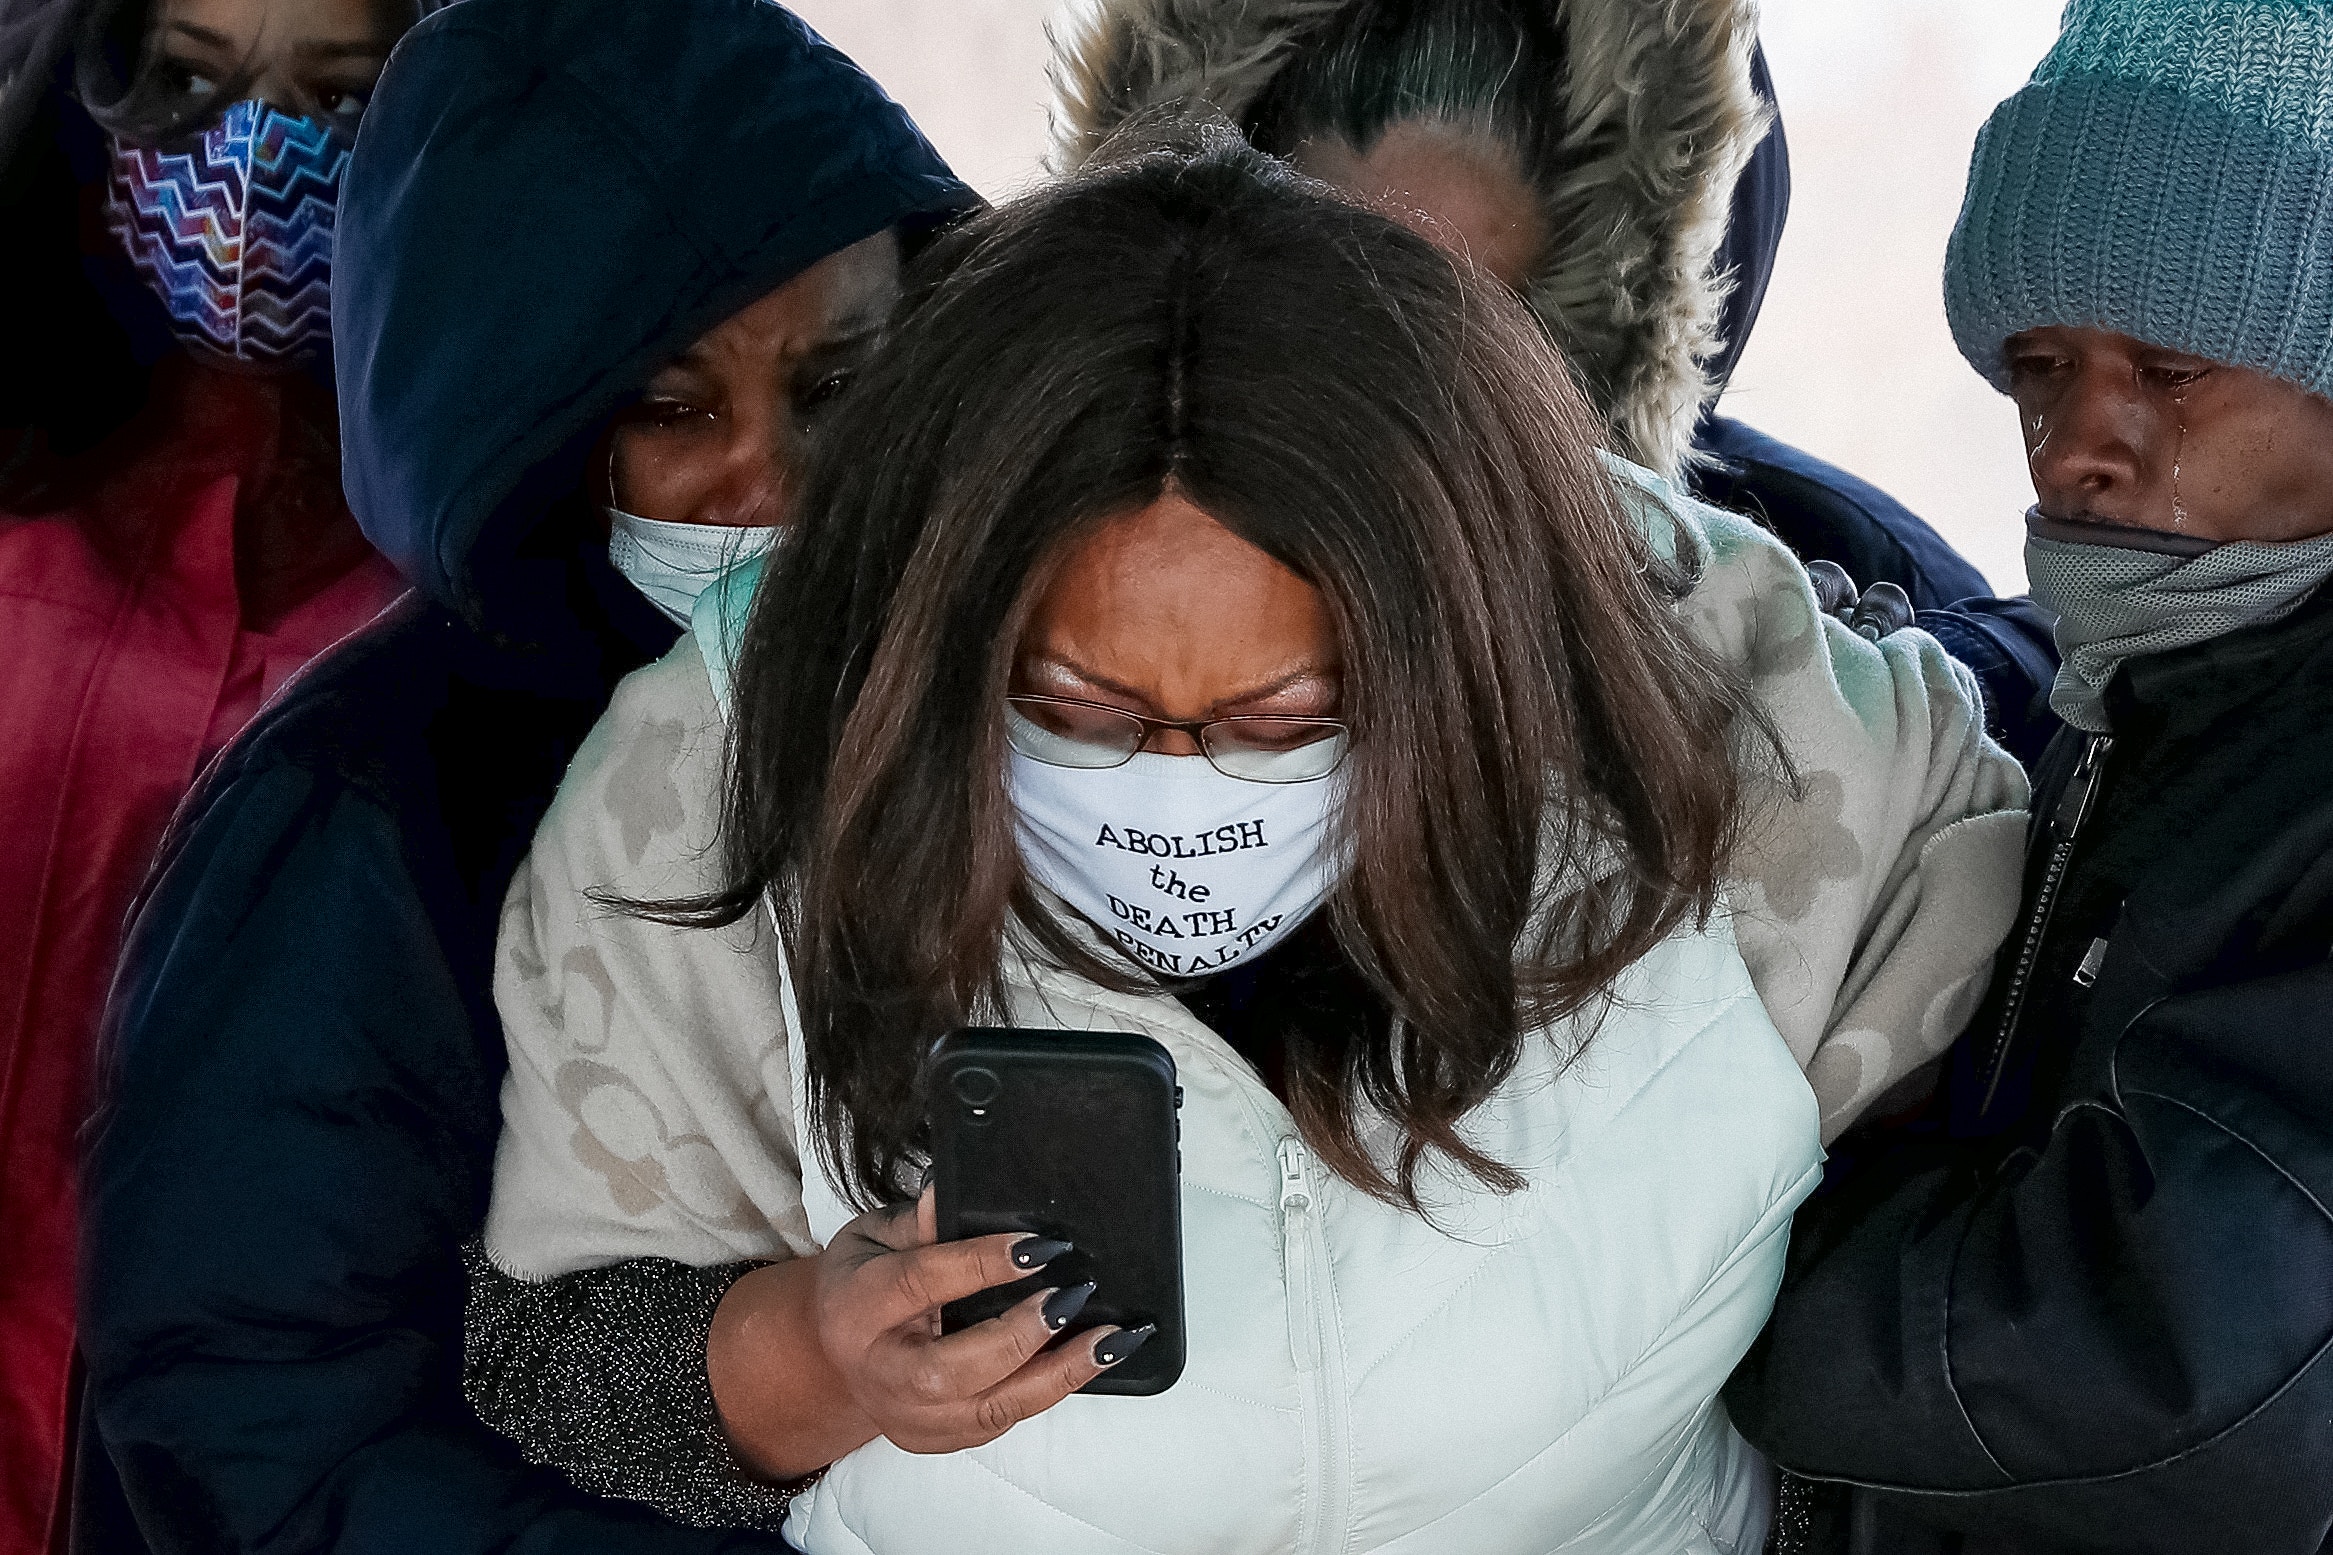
point(1658, 118)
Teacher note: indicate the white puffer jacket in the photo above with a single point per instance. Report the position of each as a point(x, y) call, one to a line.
point(1520, 1373)
point(1528, 1373)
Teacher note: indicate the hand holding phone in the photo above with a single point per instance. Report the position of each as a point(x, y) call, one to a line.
point(1046, 1260)
point(1070, 1136)
point(881, 1284)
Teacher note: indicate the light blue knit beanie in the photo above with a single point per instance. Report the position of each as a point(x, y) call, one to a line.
point(2167, 174)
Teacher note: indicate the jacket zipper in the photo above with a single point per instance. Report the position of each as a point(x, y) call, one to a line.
point(1312, 1343)
point(1304, 1258)
point(1296, 1255)
point(2065, 824)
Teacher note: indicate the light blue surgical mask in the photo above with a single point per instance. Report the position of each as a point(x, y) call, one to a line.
point(671, 564)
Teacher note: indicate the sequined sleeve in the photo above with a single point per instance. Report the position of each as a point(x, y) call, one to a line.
point(601, 1375)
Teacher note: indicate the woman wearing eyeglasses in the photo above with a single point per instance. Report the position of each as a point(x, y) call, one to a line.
point(1211, 616)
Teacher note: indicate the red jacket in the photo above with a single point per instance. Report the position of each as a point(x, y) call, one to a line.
point(140, 627)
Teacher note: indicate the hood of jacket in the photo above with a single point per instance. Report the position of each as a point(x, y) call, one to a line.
point(1660, 112)
point(546, 203)
point(34, 35)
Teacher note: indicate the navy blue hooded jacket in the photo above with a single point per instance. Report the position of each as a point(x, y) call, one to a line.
point(548, 200)
point(1825, 514)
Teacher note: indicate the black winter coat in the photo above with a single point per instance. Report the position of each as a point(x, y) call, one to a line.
point(2093, 1311)
point(547, 202)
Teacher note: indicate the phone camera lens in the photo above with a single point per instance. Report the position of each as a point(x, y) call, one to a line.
point(976, 1087)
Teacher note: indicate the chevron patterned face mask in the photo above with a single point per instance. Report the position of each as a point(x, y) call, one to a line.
point(235, 233)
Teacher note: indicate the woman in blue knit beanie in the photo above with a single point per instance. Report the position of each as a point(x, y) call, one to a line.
point(2085, 1301)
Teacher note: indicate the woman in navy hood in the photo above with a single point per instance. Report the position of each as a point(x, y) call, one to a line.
point(547, 204)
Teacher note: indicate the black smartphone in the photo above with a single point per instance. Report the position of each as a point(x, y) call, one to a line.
point(1068, 1134)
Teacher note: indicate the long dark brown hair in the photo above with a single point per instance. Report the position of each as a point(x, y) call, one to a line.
point(1539, 786)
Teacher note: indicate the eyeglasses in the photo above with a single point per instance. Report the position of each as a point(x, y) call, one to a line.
point(1064, 732)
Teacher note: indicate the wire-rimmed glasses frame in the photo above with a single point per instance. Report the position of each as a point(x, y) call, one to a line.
point(1252, 747)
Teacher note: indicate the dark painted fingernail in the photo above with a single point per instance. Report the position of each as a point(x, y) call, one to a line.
point(1883, 611)
point(1835, 591)
point(1065, 1304)
point(1035, 1252)
point(1116, 1347)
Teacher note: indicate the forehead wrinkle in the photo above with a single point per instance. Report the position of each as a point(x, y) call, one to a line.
point(692, 359)
point(789, 339)
point(1274, 685)
point(863, 317)
point(844, 336)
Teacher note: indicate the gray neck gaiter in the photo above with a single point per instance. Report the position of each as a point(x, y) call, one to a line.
point(2122, 593)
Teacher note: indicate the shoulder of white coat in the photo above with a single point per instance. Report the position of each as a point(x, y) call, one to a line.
point(646, 1107)
point(643, 794)
point(1753, 605)
point(1745, 582)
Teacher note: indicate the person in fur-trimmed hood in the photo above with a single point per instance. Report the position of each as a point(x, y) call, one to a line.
point(1620, 164)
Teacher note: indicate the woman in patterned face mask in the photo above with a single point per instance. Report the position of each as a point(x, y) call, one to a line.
point(588, 254)
point(173, 538)
point(225, 156)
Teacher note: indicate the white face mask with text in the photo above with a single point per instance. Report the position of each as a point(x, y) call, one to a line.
point(1187, 870)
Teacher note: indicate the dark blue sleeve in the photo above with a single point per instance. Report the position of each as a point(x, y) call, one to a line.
point(1825, 514)
point(298, 1137)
